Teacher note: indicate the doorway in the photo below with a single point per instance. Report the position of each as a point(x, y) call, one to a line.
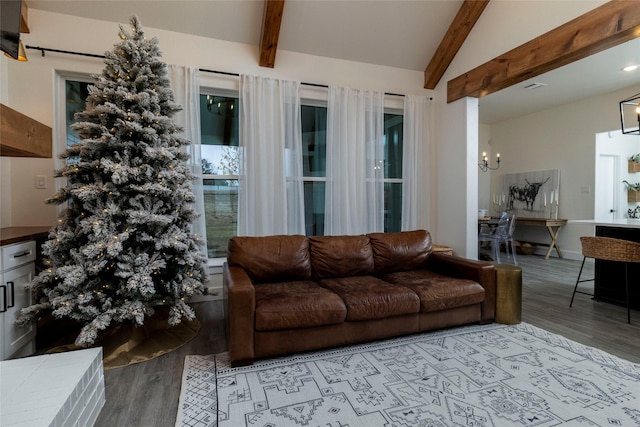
point(613, 149)
point(607, 188)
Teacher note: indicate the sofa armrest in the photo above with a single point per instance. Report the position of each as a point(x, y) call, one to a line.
point(464, 268)
point(240, 305)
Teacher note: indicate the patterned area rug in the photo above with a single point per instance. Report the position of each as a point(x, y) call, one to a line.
point(489, 375)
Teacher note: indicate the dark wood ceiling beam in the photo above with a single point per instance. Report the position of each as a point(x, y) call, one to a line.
point(270, 32)
point(606, 26)
point(457, 33)
point(24, 18)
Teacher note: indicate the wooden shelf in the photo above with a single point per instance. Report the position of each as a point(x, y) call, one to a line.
point(22, 136)
point(24, 18)
point(633, 166)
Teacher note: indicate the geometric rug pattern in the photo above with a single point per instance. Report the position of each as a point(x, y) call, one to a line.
point(479, 376)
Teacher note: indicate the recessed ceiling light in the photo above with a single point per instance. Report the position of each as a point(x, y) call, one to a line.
point(631, 67)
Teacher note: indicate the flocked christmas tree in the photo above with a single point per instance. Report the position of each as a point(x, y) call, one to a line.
point(123, 244)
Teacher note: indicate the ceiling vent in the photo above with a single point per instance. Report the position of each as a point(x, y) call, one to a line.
point(535, 85)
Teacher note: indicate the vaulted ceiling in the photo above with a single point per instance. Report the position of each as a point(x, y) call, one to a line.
point(397, 33)
point(416, 35)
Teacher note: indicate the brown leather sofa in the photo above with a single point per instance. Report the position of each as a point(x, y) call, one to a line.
point(287, 294)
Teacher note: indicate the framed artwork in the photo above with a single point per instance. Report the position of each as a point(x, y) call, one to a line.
point(529, 194)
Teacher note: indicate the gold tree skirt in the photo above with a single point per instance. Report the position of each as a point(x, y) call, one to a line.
point(125, 343)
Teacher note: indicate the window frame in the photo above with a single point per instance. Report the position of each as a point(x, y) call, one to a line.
point(60, 110)
point(391, 106)
point(210, 84)
point(61, 78)
point(229, 93)
point(309, 96)
point(397, 111)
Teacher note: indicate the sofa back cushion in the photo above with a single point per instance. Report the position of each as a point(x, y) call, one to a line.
point(271, 258)
point(402, 251)
point(340, 256)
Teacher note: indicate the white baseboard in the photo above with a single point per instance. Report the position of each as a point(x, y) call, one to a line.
point(213, 294)
point(542, 250)
point(213, 285)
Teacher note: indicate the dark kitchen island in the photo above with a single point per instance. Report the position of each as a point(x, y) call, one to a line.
point(610, 280)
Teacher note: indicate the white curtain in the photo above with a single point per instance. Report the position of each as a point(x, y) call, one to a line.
point(271, 194)
point(185, 83)
point(354, 197)
point(416, 155)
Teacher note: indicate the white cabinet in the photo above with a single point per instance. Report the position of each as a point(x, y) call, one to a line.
point(17, 268)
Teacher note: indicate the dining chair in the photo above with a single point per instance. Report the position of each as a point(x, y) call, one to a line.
point(486, 229)
point(608, 249)
point(486, 234)
point(509, 240)
point(503, 233)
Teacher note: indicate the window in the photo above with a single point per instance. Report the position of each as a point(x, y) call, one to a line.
point(221, 155)
point(314, 166)
point(219, 128)
point(220, 163)
point(75, 101)
point(314, 144)
point(76, 91)
point(393, 172)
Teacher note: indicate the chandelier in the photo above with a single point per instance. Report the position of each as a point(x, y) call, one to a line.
point(630, 115)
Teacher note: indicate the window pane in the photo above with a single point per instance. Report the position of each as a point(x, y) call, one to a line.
point(393, 145)
point(314, 140)
point(219, 134)
point(220, 156)
point(76, 95)
point(314, 161)
point(221, 213)
point(314, 208)
point(392, 206)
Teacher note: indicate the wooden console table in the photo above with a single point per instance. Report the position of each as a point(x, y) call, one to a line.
point(553, 227)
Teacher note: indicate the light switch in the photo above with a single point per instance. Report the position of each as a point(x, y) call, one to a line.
point(41, 181)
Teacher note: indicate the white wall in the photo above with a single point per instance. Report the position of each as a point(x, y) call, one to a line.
point(5, 163)
point(620, 147)
point(503, 26)
point(455, 211)
point(30, 86)
point(484, 178)
point(500, 28)
point(560, 138)
point(5, 192)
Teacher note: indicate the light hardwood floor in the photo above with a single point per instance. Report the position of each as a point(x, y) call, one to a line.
point(146, 394)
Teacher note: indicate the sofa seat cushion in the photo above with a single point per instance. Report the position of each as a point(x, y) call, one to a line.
point(438, 292)
point(368, 297)
point(296, 304)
